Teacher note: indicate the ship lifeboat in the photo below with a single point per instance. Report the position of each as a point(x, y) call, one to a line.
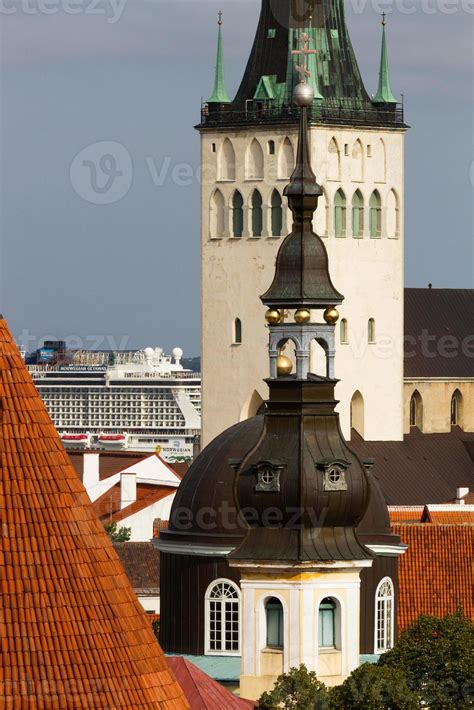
point(75, 441)
point(113, 441)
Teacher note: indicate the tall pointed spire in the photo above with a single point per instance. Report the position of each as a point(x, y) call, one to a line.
point(384, 94)
point(219, 94)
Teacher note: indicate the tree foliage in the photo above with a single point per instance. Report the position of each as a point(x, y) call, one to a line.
point(117, 534)
point(431, 666)
point(437, 657)
point(373, 687)
point(299, 689)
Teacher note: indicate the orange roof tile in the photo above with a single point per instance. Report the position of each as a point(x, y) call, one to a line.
point(203, 692)
point(435, 575)
point(405, 513)
point(107, 507)
point(72, 631)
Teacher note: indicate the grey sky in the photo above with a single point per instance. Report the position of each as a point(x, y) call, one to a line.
point(130, 270)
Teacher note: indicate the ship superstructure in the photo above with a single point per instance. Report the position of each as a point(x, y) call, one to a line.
point(140, 400)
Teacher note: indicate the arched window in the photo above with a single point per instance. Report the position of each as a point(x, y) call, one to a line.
point(357, 214)
point(271, 147)
point(340, 214)
point(237, 214)
point(371, 330)
point(277, 214)
point(254, 161)
point(358, 413)
point(257, 214)
point(393, 216)
point(379, 161)
point(344, 332)
point(456, 409)
point(237, 339)
point(416, 410)
point(226, 161)
point(357, 162)
point(327, 623)
point(384, 615)
point(286, 160)
point(217, 215)
point(334, 167)
point(320, 220)
point(274, 617)
point(222, 618)
point(375, 215)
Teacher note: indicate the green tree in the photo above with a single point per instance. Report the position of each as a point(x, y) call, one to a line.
point(437, 658)
point(373, 687)
point(117, 534)
point(299, 689)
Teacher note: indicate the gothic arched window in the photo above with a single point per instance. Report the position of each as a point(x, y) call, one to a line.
point(217, 215)
point(237, 214)
point(456, 409)
point(358, 413)
point(357, 214)
point(254, 161)
point(277, 214)
point(226, 161)
point(237, 339)
point(340, 214)
point(286, 160)
point(393, 216)
point(257, 214)
point(274, 618)
point(416, 410)
point(344, 332)
point(375, 207)
point(371, 330)
point(384, 616)
point(222, 618)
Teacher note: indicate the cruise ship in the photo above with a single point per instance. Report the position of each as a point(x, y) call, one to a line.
point(138, 400)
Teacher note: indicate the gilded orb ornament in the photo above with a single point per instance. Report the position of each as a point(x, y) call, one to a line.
point(284, 365)
point(302, 315)
point(331, 315)
point(273, 316)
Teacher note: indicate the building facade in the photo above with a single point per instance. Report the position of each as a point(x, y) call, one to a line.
point(248, 153)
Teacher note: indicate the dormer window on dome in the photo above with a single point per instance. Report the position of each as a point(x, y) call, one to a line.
point(268, 476)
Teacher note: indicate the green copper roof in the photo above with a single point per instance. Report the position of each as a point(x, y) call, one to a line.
point(384, 94)
point(219, 95)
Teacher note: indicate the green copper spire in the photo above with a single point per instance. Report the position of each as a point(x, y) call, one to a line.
point(219, 95)
point(384, 94)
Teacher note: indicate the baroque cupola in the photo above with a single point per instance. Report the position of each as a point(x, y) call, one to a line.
point(301, 468)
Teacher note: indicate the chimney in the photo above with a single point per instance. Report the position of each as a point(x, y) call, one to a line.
point(460, 493)
point(128, 489)
point(90, 470)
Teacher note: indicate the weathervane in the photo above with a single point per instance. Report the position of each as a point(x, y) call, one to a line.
point(219, 14)
point(384, 15)
point(304, 52)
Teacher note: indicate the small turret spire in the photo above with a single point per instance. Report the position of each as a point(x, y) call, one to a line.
point(384, 94)
point(219, 94)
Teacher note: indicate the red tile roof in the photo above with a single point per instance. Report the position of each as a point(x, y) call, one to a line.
point(203, 692)
point(405, 513)
point(69, 618)
point(141, 562)
point(107, 507)
point(435, 575)
point(449, 514)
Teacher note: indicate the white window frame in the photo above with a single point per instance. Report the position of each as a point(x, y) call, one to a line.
point(207, 619)
point(388, 601)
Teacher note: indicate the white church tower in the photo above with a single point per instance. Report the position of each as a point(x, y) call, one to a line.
point(248, 149)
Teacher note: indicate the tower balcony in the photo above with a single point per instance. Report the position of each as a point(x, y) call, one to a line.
point(332, 111)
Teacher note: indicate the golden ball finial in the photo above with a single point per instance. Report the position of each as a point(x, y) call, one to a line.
point(284, 365)
point(331, 315)
point(273, 316)
point(302, 315)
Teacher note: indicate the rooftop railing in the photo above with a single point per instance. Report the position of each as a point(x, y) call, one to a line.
point(335, 111)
